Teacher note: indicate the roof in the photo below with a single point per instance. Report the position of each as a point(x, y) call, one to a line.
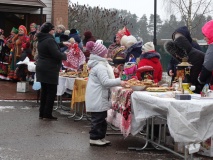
point(29, 3)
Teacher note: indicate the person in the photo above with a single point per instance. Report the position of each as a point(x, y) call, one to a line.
point(33, 38)
point(181, 48)
point(132, 47)
point(47, 69)
point(150, 57)
point(115, 50)
point(60, 29)
point(101, 79)
point(64, 38)
point(87, 37)
point(21, 43)
point(181, 31)
point(207, 67)
point(75, 34)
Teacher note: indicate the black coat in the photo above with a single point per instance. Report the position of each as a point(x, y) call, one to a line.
point(49, 59)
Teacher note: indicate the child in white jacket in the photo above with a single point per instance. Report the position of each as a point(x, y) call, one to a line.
point(101, 79)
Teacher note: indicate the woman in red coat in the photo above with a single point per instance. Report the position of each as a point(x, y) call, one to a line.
point(150, 57)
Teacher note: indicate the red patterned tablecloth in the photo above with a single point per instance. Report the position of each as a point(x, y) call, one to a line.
point(120, 114)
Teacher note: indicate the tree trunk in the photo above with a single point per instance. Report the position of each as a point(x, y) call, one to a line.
point(189, 19)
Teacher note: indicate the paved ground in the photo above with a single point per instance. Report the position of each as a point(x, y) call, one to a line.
point(24, 137)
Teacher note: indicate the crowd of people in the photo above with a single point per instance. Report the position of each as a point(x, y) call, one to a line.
point(55, 48)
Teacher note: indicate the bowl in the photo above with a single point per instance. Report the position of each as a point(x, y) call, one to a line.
point(138, 88)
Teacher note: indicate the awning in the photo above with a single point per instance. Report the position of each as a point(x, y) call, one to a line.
point(23, 3)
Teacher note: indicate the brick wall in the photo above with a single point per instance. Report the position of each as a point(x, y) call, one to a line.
point(60, 12)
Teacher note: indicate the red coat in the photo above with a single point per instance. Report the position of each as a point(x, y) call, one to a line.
point(151, 59)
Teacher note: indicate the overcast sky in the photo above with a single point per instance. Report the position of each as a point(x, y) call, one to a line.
point(138, 7)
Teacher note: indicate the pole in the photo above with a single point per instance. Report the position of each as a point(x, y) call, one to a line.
point(155, 22)
point(41, 16)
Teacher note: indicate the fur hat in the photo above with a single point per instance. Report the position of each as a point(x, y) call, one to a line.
point(149, 46)
point(128, 41)
point(47, 27)
point(67, 32)
point(23, 28)
point(96, 48)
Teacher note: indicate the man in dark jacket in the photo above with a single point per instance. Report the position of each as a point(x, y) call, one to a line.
point(180, 48)
point(47, 69)
point(181, 31)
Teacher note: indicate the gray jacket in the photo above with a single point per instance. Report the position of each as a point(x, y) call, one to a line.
point(208, 58)
point(98, 85)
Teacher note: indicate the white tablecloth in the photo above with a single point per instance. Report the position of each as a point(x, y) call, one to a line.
point(64, 83)
point(188, 120)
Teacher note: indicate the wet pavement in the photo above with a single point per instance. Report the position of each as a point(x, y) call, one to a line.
point(24, 137)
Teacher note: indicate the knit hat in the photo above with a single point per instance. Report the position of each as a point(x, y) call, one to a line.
point(73, 31)
point(67, 32)
point(128, 41)
point(96, 48)
point(14, 30)
point(47, 27)
point(88, 34)
point(207, 31)
point(149, 46)
point(23, 28)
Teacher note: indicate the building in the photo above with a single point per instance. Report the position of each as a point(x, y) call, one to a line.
point(16, 12)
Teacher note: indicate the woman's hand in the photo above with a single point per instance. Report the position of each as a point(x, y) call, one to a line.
point(171, 73)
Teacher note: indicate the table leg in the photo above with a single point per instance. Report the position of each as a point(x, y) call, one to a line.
point(150, 139)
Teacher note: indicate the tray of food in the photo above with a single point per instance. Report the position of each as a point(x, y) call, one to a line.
point(157, 89)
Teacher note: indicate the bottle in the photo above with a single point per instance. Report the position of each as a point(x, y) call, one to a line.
point(180, 85)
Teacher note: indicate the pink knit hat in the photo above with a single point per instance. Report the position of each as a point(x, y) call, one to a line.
point(96, 48)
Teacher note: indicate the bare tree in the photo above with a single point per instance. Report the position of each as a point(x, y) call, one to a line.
point(103, 23)
point(188, 9)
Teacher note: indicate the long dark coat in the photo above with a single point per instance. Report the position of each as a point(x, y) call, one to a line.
point(49, 59)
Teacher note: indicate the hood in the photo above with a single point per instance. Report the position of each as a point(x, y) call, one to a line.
point(172, 49)
point(184, 31)
point(184, 44)
point(149, 55)
point(136, 45)
point(207, 30)
point(42, 36)
point(94, 60)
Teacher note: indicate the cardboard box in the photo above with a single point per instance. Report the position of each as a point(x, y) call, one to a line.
point(22, 86)
point(206, 148)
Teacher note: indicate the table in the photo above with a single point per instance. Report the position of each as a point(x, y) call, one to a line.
point(64, 83)
point(120, 114)
point(189, 121)
point(78, 97)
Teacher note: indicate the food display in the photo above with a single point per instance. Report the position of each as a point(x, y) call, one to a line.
point(69, 74)
point(134, 82)
point(159, 89)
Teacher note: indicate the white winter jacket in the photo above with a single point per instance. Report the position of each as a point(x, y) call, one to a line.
point(98, 85)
